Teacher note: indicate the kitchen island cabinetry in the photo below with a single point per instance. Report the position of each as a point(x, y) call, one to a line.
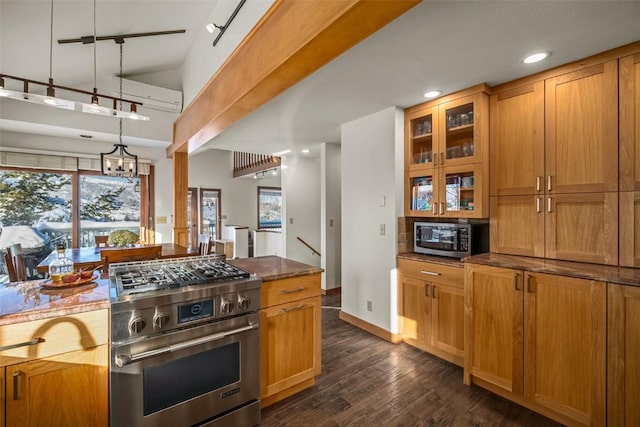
point(432, 307)
point(446, 156)
point(290, 325)
point(538, 339)
point(59, 375)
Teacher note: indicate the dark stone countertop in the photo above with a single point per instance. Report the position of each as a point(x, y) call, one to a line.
point(604, 273)
point(274, 268)
point(25, 301)
point(413, 256)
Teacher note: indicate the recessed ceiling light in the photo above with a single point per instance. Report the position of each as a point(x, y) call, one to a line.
point(432, 94)
point(305, 151)
point(536, 57)
point(280, 153)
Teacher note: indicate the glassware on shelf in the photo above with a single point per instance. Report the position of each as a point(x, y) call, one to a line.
point(60, 265)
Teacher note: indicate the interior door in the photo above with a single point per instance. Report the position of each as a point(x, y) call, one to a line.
point(210, 212)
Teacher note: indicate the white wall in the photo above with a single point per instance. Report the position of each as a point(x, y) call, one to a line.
point(204, 59)
point(239, 201)
point(330, 218)
point(369, 188)
point(301, 202)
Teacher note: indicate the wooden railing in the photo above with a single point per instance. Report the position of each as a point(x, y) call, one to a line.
point(313, 251)
point(248, 163)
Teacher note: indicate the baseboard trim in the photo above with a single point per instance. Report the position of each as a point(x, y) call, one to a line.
point(332, 291)
point(372, 329)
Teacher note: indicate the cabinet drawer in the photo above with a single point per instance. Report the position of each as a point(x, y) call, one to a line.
point(55, 335)
point(291, 289)
point(432, 272)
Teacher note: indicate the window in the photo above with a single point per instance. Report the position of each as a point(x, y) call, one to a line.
point(269, 208)
point(39, 208)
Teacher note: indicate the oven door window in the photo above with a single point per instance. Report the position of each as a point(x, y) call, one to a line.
point(179, 380)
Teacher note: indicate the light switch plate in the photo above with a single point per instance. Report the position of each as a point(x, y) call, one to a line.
point(382, 229)
point(161, 220)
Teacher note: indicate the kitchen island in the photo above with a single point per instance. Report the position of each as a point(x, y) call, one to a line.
point(290, 325)
point(54, 354)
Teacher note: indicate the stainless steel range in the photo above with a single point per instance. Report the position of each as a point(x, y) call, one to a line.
point(185, 343)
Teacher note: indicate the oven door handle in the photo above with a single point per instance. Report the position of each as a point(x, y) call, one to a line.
point(126, 359)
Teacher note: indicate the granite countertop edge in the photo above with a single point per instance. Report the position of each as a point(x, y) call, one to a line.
point(605, 273)
point(270, 268)
point(16, 308)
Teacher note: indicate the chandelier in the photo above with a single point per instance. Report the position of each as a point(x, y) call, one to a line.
point(119, 162)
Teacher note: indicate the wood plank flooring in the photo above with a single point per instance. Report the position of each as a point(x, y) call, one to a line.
point(367, 381)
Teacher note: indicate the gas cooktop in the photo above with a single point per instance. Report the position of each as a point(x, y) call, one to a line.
point(145, 276)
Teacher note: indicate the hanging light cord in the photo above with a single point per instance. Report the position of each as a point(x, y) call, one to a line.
point(121, 44)
point(51, 44)
point(94, 44)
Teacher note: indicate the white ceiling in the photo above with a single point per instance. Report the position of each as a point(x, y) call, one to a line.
point(445, 45)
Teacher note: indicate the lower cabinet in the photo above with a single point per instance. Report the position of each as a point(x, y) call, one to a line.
point(538, 339)
point(290, 336)
point(55, 372)
point(432, 308)
point(623, 376)
point(70, 389)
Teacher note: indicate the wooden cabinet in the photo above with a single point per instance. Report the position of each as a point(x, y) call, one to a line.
point(446, 156)
point(70, 389)
point(554, 162)
point(538, 339)
point(623, 354)
point(290, 336)
point(432, 308)
point(630, 161)
point(60, 377)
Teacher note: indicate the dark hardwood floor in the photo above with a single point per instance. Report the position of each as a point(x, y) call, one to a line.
point(367, 381)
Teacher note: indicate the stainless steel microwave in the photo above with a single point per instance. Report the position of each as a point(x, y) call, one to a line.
point(450, 239)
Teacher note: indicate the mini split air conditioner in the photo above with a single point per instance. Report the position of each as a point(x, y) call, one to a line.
point(154, 97)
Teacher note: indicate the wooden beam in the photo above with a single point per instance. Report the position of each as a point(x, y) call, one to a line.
point(291, 41)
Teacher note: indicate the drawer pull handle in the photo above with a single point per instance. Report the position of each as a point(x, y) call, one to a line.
point(538, 179)
point(516, 276)
point(16, 378)
point(22, 344)
point(433, 291)
point(530, 285)
point(430, 273)
point(537, 204)
point(297, 307)
point(291, 291)
point(549, 205)
point(441, 208)
point(549, 183)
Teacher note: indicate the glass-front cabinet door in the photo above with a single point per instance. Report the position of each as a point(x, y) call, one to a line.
point(422, 143)
point(421, 194)
point(458, 191)
point(460, 138)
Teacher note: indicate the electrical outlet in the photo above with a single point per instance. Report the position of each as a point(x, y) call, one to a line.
point(330, 223)
point(291, 220)
point(369, 305)
point(382, 229)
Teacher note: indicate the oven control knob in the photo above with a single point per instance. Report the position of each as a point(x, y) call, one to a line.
point(227, 306)
point(137, 324)
point(160, 320)
point(244, 302)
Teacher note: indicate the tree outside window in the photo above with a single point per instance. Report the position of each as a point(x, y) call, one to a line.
point(269, 208)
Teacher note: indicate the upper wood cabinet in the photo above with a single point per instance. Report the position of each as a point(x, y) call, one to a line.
point(517, 141)
point(630, 228)
point(630, 123)
point(446, 156)
point(581, 121)
point(554, 167)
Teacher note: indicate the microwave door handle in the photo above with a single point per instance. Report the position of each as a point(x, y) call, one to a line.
point(126, 359)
